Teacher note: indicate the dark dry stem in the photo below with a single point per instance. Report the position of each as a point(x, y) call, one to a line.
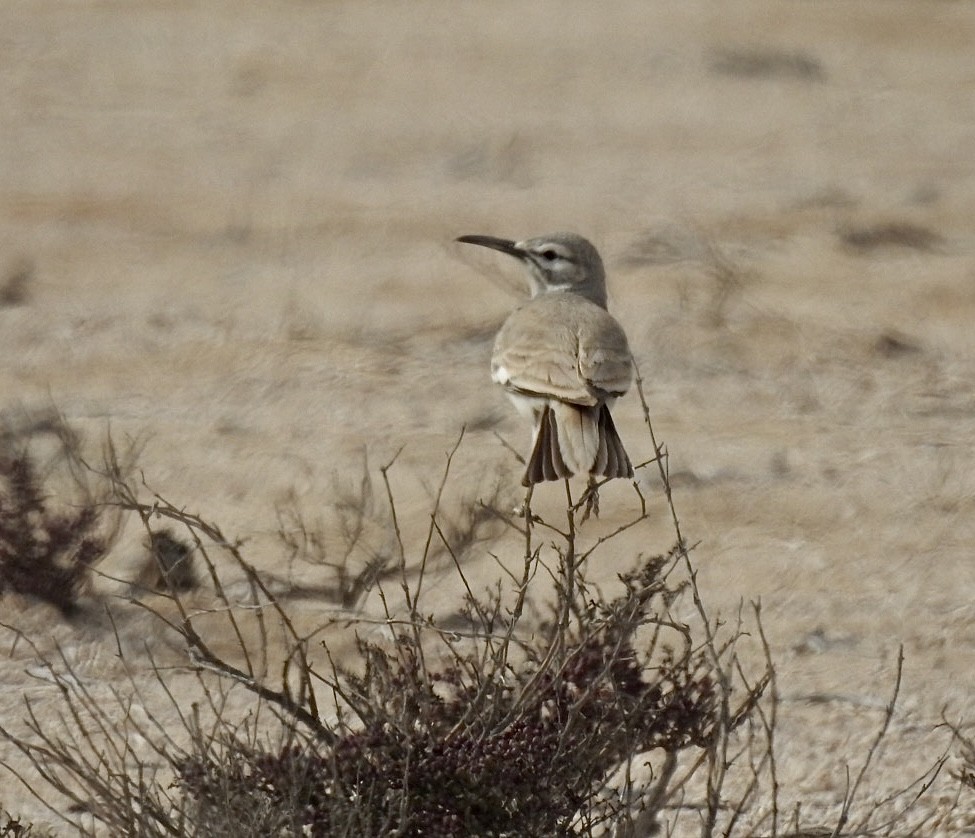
point(769, 718)
point(433, 524)
point(660, 457)
point(567, 566)
point(885, 725)
point(404, 581)
point(521, 460)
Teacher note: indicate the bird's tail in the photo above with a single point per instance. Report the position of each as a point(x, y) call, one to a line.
point(571, 440)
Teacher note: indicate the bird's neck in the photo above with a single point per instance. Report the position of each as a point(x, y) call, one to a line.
point(594, 295)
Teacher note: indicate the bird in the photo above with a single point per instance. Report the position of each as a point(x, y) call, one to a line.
point(563, 359)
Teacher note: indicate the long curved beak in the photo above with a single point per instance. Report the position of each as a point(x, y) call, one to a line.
point(504, 245)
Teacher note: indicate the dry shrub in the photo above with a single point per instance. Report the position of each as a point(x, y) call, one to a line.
point(540, 716)
point(45, 554)
point(48, 550)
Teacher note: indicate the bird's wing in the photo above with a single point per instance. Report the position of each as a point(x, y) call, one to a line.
point(605, 361)
point(568, 349)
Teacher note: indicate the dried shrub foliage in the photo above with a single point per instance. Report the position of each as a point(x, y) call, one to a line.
point(538, 714)
point(966, 770)
point(47, 550)
point(43, 553)
point(456, 749)
point(11, 827)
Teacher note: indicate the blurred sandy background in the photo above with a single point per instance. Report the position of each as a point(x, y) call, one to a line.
point(228, 229)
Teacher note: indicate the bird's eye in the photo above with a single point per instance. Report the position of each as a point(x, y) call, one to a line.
point(549, 255)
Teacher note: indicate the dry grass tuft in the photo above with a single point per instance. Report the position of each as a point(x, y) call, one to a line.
point(896, 345)
point(767, 63)
point(674, 245)
point(15, 286)
point(864, 239)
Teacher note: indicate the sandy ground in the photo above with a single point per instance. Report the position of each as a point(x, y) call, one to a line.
point(233, 226)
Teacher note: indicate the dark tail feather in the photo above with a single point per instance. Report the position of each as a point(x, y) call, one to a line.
point(611, 460)
point(546, 461)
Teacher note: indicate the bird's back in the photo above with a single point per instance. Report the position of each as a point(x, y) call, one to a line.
point(565, 346)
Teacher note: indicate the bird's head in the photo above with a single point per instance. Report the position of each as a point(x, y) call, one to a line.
point(558, 262)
